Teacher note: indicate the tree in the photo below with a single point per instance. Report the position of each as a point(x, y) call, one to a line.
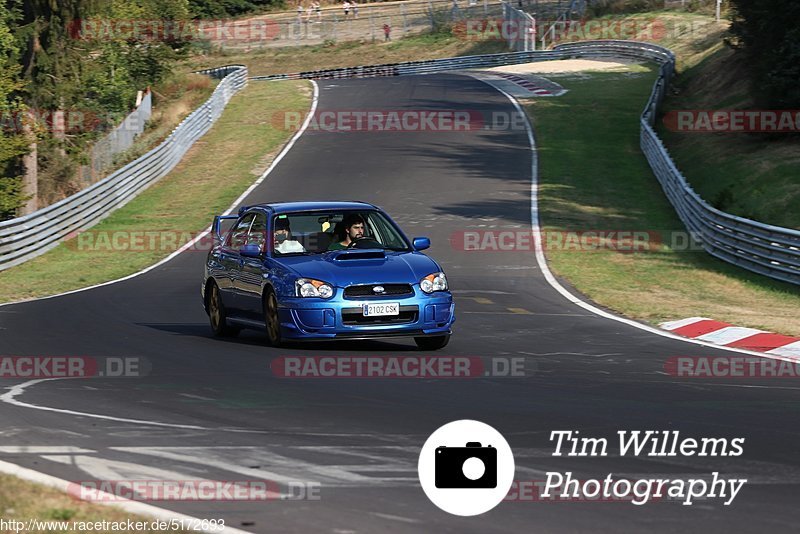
point(768, 34)
point(13, 142)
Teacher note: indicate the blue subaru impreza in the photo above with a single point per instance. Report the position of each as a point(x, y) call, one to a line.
point(324, 270)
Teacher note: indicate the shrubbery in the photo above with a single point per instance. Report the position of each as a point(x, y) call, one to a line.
point(768, 33)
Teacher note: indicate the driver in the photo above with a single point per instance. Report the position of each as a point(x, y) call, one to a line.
point(283, 241)
point(353, 226)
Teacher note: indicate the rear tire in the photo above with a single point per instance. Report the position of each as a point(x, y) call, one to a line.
point(271, 319)
point(218, 316)
point(433, 342)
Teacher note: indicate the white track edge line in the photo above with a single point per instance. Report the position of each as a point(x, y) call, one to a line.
point(554, 283)
point(191, 243)
point(19, 389)
point(133, 507)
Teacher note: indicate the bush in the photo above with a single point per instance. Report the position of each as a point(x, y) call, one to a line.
point(767, 34)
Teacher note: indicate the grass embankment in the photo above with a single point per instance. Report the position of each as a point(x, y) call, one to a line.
point(24, 501)
point(750, 175)
point(593, 176)
point(213, 173)
point(173, 100)
point(351, 53)
point(753, 175)
point(221, 165)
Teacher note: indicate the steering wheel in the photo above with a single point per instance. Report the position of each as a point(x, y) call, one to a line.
point(365, 242)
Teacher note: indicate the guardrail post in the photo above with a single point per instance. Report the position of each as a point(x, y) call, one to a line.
point(28, 236)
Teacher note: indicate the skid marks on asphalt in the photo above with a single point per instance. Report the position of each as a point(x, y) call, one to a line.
point(475, 302)
point(358, 466)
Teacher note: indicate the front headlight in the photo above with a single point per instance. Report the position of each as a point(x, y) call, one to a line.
point(433, 282)
point(307, 287)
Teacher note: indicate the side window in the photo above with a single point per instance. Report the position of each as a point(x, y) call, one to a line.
point(238, 234)
point(258, 232)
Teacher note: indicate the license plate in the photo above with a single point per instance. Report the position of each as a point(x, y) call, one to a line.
point(384, 308)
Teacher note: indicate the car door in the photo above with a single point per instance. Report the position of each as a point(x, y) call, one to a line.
point(252, 270)
point(231, 260)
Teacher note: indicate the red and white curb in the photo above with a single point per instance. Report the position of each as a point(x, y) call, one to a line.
point(517, 86)
point(727, 335)
point(527, 84)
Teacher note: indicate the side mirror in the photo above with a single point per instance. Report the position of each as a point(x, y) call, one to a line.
point(216, 227)
point(250, 251)
point(421, 243)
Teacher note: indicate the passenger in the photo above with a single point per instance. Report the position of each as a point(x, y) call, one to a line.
point(283, 241)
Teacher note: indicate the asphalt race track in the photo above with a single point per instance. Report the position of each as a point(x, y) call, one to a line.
point(221, 414)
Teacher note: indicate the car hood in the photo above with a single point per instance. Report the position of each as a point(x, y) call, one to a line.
point(344, 268)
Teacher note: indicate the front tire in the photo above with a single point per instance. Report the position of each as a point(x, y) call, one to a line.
point(271, 319)
point(218, 316)
point(433, 342)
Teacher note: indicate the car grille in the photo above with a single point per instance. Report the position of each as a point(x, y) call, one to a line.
point(393, 290)
point(355, 316)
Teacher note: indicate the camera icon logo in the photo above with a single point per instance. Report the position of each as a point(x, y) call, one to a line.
point(472, 466)
point(464, 476)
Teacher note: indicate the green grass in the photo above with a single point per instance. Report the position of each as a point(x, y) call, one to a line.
point(422, 46)
point(214, 172)
point(593, 176)
point(751, 175)
point(23, 501)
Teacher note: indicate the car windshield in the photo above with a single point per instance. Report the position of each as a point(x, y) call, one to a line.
point(320, 232)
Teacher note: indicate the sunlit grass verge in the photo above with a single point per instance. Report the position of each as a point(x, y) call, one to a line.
point(42, 509)
point(593, 176)
point(217, 169)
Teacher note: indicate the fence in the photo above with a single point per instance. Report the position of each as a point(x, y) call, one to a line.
point(26, 237)
point(762, 248)
point(117, 140)
point(523, 35)
point(367, 23)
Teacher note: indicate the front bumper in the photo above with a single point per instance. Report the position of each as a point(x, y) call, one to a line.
point(340, 318)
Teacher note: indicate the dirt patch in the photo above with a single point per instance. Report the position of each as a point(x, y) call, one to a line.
point(565, 65)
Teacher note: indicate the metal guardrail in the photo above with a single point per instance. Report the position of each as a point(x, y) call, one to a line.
point(762, 248)
point(24, 238)
point(417, 67)
point(768, 250)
